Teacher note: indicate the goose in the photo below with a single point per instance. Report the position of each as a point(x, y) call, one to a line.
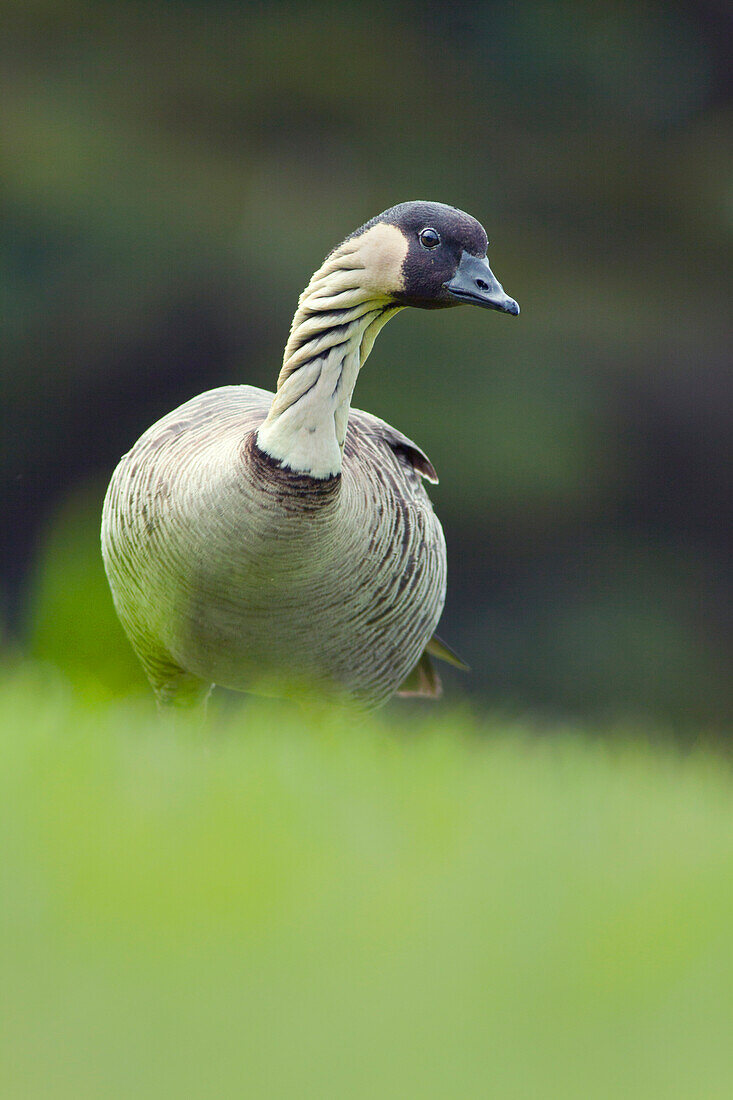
point(285, 542)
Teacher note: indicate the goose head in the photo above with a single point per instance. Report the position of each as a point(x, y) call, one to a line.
point(431, 256)
point(422, 254)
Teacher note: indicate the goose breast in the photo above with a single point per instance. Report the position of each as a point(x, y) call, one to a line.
point(247, 576)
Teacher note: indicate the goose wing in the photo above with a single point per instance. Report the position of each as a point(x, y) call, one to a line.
point(410, 456)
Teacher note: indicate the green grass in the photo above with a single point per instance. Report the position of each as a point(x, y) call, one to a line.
point(290, 906)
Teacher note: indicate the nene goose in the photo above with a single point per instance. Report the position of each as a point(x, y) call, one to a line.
point(283, 542)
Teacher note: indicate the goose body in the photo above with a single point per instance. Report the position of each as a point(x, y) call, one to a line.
point(285, 542)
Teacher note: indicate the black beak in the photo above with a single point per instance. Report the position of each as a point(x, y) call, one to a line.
point(474, 283)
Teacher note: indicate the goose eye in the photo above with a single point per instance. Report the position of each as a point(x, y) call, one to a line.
point(429, 238)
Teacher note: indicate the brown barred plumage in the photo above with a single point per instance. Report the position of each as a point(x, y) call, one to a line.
point(227, 569)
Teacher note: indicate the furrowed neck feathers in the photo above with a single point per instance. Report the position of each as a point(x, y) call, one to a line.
point(339, 315)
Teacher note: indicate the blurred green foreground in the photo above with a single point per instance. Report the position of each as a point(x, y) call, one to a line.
point(281, 906)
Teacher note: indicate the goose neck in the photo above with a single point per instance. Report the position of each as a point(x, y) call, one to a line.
point(333, 331)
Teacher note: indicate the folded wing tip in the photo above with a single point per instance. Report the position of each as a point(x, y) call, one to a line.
point(436, 647)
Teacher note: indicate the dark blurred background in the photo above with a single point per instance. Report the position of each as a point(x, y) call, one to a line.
point(173, 172)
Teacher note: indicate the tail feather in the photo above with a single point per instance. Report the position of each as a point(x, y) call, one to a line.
point(424, 681)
